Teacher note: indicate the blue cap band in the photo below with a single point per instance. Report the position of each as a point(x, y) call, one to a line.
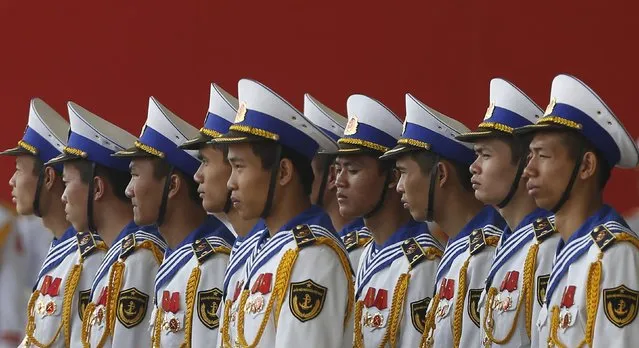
point(172, 154)
point(439, 144)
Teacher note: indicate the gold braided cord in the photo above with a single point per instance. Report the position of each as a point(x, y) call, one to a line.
point(414, 142)
point(497, 126)
point(31, 340)
point(364, 143)
point(488, 308)
point(222, 250)
point(492, 292)
point(287, 262)
point(399, 297)
point(358, 339)
point(147, 244)
point(283, 277)
point(592, 303)
point(210, 133)
point(86, 327)
point(560, 121)
point(255, 131)
point(553, 339)
point(191, 290)
point(459, 303)
point(346, 266)
point(492, 241)
point(432, 253)
point(67, 302)
point(529, 279)
point(149, 149)
point(592, 298)
point(626, 237)
point(23, 144)
point(75, 152)
point(363, 241)
point(429, 323)
point(70, 285)
point(157, 328)
point(224, 329)
point(115, 283)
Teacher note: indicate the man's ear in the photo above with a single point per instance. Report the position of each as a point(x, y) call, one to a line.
point(588, 166)
point(50, 176)
point(99, 187)
point(175, 184)
point(285, 174)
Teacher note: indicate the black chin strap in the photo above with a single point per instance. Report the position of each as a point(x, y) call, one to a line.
point(165, 197)
point(271, 186)
point(515, 185)
point(430, 214)
point(571, 182)
point(380, 202)
point(38, 191)
point(90, 222)
point(328, 161)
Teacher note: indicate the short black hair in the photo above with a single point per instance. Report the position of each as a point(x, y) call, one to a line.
point(38, 165)
point(265, 150)
point(575, 141)
point(426, 161)
point(118, 179)
point(162, 168)
point(519, 146)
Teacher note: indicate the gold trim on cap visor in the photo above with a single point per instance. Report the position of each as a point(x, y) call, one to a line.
point(149, 149)
point(364, 143)
point(23, 144)
point(75, 152)
point(497, 126)
point(413, 142)
point(255, 131)
point(210, 133)
point(560, 121)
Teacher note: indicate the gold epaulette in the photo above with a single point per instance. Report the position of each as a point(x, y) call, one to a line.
point(477, 241)
point(413, 252)
point(128, 245)
point(543, 229)
point(88, 245)
point(303, 236)
point(602, 236)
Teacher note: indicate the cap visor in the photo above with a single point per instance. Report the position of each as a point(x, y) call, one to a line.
point(16, 151)
point(471, 137)
point(398, 151)
point(235, 137)
point(196, 143)
point(131, 152)
point(65, 157)
point(537, 127)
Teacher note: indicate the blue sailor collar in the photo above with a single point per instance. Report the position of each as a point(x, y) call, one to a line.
point(579, 243)
point(410, 229)
point(351, 226)
point(211, 226)
point(314, 215)
point(59, 250)
point(528, 219)
point(259, 225)
point(68, 233)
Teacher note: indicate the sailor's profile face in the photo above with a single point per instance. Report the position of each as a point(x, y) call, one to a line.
point(145, 190)
point(249, 181)
point(75, 196)
point(211, 177)
point(493, 170)
point(23, 184)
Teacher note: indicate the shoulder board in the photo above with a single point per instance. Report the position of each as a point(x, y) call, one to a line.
point(87, 243)
point(202, 250)
point(413, 252)
point(477, 241)
point(128, 245)
point(602, 236)
point(351, 240)
point(303, 236)
point(543, 229)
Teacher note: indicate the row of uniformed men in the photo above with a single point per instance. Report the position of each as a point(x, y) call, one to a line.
point(505, 278)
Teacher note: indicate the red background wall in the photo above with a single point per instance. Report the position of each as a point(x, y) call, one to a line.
point(111, 56)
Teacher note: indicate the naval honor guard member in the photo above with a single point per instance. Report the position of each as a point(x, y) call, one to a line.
point(435, 186)
point(324, 193)
point(593, 290)
point(517, 279)
point(55, 310)
point(393, 283)
point(298, 283)
point(122, 289)
point(212, 176)
point(188, 285)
